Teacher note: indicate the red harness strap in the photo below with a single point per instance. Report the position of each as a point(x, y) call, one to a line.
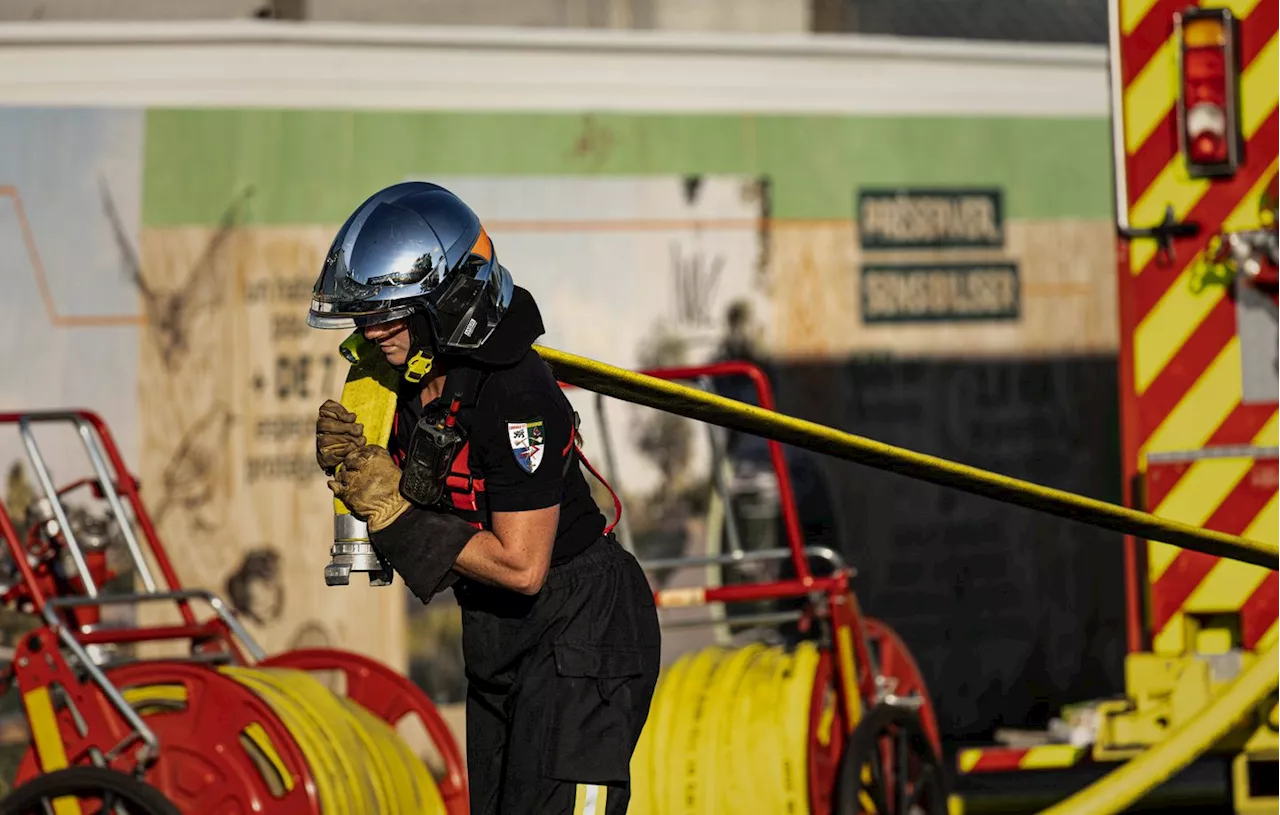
point(575, 443)
point(398, 455)
point(463, 487)
point(460, 482)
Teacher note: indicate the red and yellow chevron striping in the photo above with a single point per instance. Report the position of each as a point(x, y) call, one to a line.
point(1180, 346)
point(1004, 759)
point(1234, 495)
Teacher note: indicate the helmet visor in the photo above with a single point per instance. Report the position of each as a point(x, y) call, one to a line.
point(326, 314)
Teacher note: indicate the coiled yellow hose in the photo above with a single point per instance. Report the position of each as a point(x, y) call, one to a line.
point(727, 727)
point(360, 764)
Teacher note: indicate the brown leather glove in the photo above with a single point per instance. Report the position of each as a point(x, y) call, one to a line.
point(338, 435)
point(369, 484)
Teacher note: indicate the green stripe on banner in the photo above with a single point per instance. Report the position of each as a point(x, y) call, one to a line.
point(315, 166)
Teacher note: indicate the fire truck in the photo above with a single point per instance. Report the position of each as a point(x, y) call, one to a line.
point(1194, 92)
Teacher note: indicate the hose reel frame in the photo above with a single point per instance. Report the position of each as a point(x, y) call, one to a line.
point(855, 649)
point(78, 703)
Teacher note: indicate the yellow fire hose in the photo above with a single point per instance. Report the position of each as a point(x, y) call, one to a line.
point(360, 764)
point(1185, 744)
point(369, 392)
point(726, 727)
point(692, 403)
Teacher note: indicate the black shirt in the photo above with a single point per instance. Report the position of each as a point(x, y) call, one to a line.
point(516, 402)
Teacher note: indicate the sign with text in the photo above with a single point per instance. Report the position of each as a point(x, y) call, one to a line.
point(950, 292)
point(930, 218)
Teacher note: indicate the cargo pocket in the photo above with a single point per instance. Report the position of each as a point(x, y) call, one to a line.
point(596, 711)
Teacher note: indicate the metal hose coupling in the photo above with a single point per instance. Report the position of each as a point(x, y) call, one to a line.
point(353, 552)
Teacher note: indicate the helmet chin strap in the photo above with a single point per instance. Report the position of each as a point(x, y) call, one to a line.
point(422, 350)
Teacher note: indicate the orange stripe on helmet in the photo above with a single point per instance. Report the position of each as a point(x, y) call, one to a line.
point(483, 246)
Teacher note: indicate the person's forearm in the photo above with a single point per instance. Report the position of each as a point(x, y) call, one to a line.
point(487, 560)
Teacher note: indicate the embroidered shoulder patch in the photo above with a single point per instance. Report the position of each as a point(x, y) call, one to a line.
point(527, 443)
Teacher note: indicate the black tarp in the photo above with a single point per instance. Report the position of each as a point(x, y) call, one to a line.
point(1011, 614)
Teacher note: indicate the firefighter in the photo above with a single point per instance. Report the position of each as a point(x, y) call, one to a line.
point(480, 489)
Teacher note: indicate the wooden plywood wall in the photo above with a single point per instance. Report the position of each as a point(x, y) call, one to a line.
point(1066, 298)
point(230, 381)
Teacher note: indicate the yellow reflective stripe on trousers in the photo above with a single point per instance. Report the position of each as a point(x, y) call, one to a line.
point(590, 799)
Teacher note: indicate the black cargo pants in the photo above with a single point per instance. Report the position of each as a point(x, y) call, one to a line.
point(559, 686)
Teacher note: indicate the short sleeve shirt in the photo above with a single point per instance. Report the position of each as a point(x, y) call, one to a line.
point(520, 432)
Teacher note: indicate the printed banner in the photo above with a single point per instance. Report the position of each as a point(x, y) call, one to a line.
point(980, 291)
point(930, 218)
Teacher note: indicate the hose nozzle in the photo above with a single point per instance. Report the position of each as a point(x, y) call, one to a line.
point(353, 552)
